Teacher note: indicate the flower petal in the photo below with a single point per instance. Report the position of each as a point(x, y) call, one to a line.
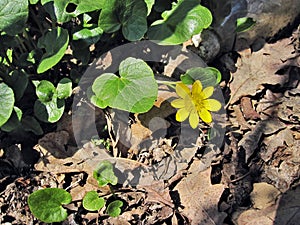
point(207, 92)
point(178, 103)
point(212, 104)
point(182, 90)
point(182, 114)
point(196, 89)
point(194, 119)
point(205, 115)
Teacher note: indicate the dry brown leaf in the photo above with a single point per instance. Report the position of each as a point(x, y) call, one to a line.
point(285, 212)
point(258, 68)
point(200, 198)
point(263, 195)
point(157, 192)
point(257, 217)
point(55, 143)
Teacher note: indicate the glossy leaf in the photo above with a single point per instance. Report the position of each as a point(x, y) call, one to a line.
point(134, 91)
point(114, 208)
point(49, 111)
point(29, 123)
point(64, 88)
point(149, 4)
point(45, 91)
point(13, 121)
point(104, 174)
point(92, 202)
point(179, 24)
point(59, 39)
point(64, 10)
point(18, 80)
point(46, 204)
point(94, 33)
point(208, 76)
point(13, 16)
point(7, 101)
point(130, 15)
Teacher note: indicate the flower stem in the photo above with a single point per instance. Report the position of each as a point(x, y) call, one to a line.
point(168, 83)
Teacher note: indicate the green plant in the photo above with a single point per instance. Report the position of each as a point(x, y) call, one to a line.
point(46, 204)
point(129, 93)
point(49, 40)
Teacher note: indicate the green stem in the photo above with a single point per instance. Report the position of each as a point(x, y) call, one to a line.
point(168, 83)
point(112, 191)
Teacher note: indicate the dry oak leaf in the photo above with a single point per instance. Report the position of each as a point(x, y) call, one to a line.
point(200, 198)
point(258, 68)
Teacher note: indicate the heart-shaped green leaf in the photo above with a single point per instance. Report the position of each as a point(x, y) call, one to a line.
point(7, 101)
point(209, 76)
point(64, 88)
point(131, 15)
point(49, 111)
point(104, 174)
point(92, 202)
point(13, 16)
point(184, 20)
point(46, 204)
point(45, 91)
point(114, 208)
point(59, 39)
point(134, 91)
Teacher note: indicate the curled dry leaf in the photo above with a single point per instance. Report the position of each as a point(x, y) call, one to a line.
point(258, 68)
point(200, 198)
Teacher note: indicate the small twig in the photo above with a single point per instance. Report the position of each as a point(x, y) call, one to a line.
point(240, 178)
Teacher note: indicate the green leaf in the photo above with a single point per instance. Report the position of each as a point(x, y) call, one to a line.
point(134, 91)
point(184, 20)
point(59, 39)
point(45, 91)
point(13, 16)
point(49, 111)
point(33, 2)
point(13, 121)
point(131, 15)
point(46, 204)
point(244, 24)
point(93, 34)
point(7, 101)
point(209, 76)
point(92, 202)
point(104, 174)
point(149, 4)
point(18, 80)
point(60, 12)
point(64, 88)
point(114, 208)
point(29, 123)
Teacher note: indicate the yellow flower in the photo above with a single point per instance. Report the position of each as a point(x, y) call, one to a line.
point(195, 103)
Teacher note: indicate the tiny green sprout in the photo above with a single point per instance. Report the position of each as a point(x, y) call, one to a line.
point(104, 174)
point(114, 208)
point(92, 201)
point(46, 204)
point(244, 24)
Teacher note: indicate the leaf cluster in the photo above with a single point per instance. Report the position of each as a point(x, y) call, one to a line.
point(47, 204)
point(45, 42)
